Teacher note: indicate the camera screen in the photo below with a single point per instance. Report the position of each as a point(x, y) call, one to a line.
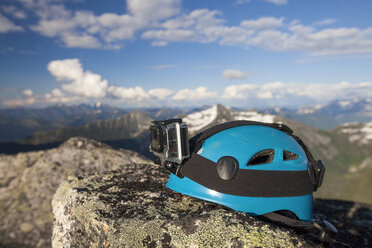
point(157, 143)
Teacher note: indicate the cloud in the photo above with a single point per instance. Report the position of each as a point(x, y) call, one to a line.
point(324, 22)
point(163, 66)
point(233, 74)
point(277, 2)
point(84, 29)
point(13, 11)
point(85, 85)
point(28, 92)
point(82, 83)
point(289, 94)
point(163, 22)
point(263, 23)
point(8, 26)
point(269, 33)
point(160, 93)
point(18, 102)
point(200, 93)
point(136, 93)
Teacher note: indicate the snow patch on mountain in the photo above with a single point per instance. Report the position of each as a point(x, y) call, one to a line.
point(358, 132)
point(220, 114)
point(198, 120)
point(253, 116)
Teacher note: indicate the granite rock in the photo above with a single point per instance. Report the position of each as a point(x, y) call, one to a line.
point(133, 208)
point(28, 182)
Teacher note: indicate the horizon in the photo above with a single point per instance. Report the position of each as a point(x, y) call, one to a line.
point(174, 53)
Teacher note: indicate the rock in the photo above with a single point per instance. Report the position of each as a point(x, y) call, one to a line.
point(133, 208)
point(29, 180)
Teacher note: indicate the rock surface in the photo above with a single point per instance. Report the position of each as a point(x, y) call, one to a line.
point(133, 208)
point(28, 182)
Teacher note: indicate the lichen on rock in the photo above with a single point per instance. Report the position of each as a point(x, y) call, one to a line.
point(28, 182)
point(135, 209)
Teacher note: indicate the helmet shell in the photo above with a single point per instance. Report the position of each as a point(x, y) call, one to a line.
point(243, 143)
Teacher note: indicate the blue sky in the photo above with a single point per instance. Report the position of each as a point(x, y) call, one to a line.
point(139, 53)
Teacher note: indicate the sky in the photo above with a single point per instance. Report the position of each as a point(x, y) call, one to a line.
point(155, 53)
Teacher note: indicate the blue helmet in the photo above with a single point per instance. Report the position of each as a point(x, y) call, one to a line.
point(249, 167)
point(253, 167)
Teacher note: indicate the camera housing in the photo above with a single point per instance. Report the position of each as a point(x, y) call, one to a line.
point(169, 141)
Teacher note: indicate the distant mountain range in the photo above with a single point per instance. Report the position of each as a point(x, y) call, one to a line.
point(346, 150)
point(330, 115)
point(21, 122)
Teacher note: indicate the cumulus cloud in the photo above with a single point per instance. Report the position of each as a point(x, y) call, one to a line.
point(19, 102)
point(28, 92)
point(160, 93)
point(233, 74)
point(13, 11)
point(200, 93)
point(271, 33)
point(82, 83)
point(8, 26)
point(263, 23)
point(84, 29)
point(277, 2)
point(163, 22)
point(163, 66)
point(274, 93)
point(325, 22)
point(135, 93)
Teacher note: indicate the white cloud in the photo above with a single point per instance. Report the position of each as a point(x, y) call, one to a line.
point(167, 66)
point(271, 33)
point(13, 11)
point(263, 23)
point(277, 2)
point(19, 102)
point(233, 74)
point(200, 93)
point(324, 22)
point(160, 93)
point(279, 93)
point(85, 84)
point(86, 30)
point(163, 22)
point(8, 26)
point(154, 10)
point(28, 92)
point(132, 94)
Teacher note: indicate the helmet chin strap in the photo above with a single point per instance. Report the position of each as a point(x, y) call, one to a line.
point(324, 230)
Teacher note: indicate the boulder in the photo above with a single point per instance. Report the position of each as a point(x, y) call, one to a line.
point(133, 208)
point(28, 182)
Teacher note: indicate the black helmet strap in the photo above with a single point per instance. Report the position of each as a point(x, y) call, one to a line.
point(254, 183)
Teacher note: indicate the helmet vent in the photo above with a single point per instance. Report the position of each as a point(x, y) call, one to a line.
point(287, 155)
point(262, 157)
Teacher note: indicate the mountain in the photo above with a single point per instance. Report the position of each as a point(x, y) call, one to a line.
point(339, 153)
point(218, 114)
point(21, 122)
point(330, 115)
point(129, 131)
point(356, 132)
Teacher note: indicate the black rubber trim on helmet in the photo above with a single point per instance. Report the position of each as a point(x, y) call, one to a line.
point(248, 182)
point(197, 140)
point(324, 230)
